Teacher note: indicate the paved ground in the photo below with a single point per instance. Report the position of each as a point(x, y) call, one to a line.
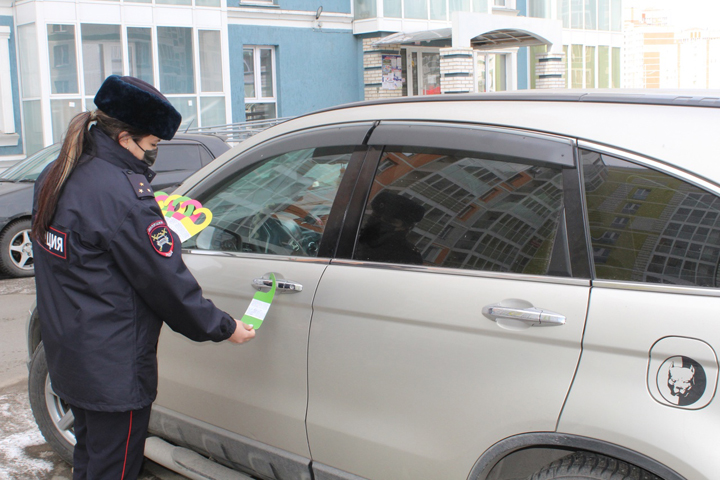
point(24, 454)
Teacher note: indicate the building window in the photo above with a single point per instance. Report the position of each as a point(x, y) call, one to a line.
point(576, 66)
point(140, 56)
point(365, 9)
point(210, 61)
point(423, 9)
point(63, 63)
point(590, 14)
point(104, 49)
point(102, 54)
point(539, 8)
point(260, 98)
point(392, 8)
point(616, 67)
point(175, 58)
point(589, 67)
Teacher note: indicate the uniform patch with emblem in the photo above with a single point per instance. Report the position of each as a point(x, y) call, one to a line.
point(160, 238)
point(55, 242)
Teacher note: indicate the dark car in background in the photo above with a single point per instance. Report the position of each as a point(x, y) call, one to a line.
point(177, 159)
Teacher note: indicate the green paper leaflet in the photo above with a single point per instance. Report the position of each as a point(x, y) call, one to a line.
point(259, 306)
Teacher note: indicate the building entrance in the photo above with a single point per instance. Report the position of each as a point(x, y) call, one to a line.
point(422, 71)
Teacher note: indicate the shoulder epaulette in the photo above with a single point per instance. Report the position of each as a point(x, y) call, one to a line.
point(140, 184)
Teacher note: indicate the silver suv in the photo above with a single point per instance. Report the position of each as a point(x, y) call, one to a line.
point(482, 287)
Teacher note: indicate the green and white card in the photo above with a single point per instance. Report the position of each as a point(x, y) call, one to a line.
point(259, 306)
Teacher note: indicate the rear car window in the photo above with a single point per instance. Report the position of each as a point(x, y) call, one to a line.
point(172, 156)
point(647, 226)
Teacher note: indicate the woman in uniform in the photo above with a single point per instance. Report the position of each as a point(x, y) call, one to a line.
point(109, 272)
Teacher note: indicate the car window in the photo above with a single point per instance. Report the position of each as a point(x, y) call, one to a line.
point(205, 156)
point(180, 156)
point(280, 206)
point(461, 210)
point(648, 226)
point(31, 168)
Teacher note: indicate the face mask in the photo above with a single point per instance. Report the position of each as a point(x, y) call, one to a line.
point(149, 156)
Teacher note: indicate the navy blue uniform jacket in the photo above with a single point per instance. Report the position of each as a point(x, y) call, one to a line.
point(108, 274)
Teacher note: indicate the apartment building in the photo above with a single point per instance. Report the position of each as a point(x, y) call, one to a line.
point(225, 61)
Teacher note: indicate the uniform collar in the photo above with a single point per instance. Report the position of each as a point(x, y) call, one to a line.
point(109, 150)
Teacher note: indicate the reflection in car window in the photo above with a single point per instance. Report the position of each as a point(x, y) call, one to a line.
point(173, 157)
point(647, 226)
point(279, 207)
point(458, 210)
point(32, 167)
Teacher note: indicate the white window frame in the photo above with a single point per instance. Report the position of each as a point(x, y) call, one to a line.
point(7, 113)
point(510, 68)
point(257, 78)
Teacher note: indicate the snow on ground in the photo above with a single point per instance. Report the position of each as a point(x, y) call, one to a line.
point(23, 451)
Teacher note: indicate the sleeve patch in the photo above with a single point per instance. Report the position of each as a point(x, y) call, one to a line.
point(160, 238)
point(55, 242)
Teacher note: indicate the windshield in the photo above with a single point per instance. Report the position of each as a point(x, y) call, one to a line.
point(30, 168)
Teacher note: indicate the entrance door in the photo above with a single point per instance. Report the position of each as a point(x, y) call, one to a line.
point(491, 72)
point(424, 72)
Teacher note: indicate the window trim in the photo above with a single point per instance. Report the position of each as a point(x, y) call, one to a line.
point(454, 137)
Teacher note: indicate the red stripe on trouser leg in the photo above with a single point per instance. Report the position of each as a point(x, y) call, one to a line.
point(127, 447)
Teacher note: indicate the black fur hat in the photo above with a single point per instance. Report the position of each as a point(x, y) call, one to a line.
point(138, 104)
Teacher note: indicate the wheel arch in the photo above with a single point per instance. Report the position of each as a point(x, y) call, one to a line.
point(16, 218)
point(560, 442)
point(34, 336)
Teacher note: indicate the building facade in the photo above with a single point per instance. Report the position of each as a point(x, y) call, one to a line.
point(659, 55)
point(228, 61)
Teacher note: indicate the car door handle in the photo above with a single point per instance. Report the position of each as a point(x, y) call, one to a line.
point(533, 317)
point(283, 286)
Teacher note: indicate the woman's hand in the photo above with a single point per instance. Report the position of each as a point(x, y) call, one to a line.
point(242, 333)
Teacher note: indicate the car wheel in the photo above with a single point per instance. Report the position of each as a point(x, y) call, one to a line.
point(16, 255)
point(590, 466)
point(53, 416)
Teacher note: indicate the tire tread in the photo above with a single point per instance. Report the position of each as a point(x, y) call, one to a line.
point(591, 466)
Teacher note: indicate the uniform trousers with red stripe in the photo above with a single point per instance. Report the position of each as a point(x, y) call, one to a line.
point(110, 445)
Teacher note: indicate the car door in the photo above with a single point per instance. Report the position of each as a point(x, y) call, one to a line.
point(655, 234)
point(453, 317)
point(274, 210)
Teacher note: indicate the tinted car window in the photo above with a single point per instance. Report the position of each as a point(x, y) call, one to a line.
point(648, 226)
point(173, 157)
point(280, 206)
point(459, 210)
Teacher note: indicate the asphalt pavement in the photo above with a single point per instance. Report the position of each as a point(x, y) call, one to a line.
point(24, 454)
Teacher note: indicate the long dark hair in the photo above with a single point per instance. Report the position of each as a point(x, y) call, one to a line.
point(75, 143)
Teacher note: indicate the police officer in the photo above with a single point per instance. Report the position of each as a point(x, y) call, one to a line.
point(109, 272)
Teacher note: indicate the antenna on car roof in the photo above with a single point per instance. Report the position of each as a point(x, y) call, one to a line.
point(189, 124)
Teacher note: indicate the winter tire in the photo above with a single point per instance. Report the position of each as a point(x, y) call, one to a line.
point(16, 255)
point(590, 466)
point(53, 416)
